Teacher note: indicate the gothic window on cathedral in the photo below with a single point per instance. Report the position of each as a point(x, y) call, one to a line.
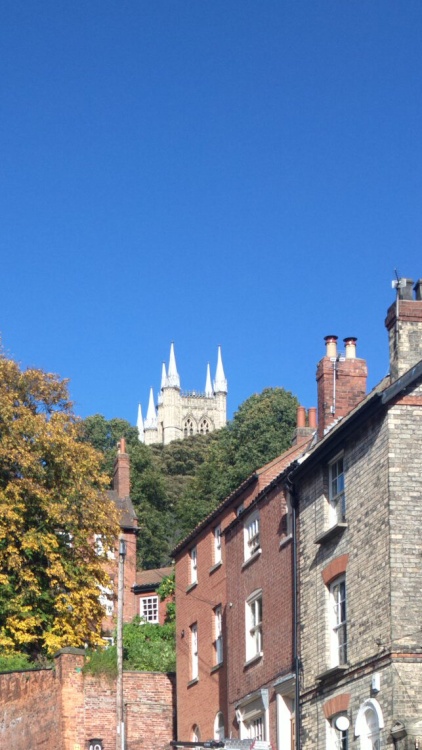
point(204, 427)
point(188, 429)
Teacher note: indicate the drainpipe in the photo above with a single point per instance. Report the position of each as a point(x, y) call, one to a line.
point(296, 660)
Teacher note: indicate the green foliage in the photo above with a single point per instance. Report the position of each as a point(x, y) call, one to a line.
point(167, 590)
point(146, 647)
point(16, 661)
point(173, 487)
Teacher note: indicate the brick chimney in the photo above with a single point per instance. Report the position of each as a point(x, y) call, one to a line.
point(121, 478)
point(341, 380)
point(305, 425)
point(404, 326)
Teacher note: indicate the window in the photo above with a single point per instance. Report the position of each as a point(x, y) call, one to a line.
point(336, 491)
point(254, 626)
point(219, 727)
point(217, 545)
point(338, 622)
point(106, 600)
point(218, 634)
point(256, 728)
point(196, 733)
point(251, 535)
point(194, 651)
point(204, 427)
point(338, 733)
point(193, 565)
point(188, 429)
point(148, 608)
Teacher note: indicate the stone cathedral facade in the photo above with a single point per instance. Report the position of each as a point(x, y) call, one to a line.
point(178, 415)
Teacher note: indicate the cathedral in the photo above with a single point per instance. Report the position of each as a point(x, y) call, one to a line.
point(178, 414)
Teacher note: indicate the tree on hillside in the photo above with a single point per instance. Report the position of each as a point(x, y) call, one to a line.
point(261, 429)
point(52, 502)
point(104, 434)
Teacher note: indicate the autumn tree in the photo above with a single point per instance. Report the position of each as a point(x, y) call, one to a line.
point(52, 503)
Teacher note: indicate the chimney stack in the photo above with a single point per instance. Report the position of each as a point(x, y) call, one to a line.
point(303, 431)
point(121, 478)
point(404, 326)
point(341, 382)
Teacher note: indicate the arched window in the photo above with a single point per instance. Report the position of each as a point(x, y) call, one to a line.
point(204, 427)
point(219, 726)
point(369, 723)
point(188, 428)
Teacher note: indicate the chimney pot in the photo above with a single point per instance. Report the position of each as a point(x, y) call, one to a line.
point(350, 346)
point(331, 344)
point(122, 445)
point(312, 417)
point(405, 289)
point(418, 290)
point(300, 417)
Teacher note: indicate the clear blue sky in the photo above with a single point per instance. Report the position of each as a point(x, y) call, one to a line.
point(245, 173)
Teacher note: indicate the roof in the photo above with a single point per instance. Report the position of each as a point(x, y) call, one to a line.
point(128, 519)
point(263, 477)
point(150, 578)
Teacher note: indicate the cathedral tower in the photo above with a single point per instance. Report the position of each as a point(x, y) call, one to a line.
point(178, 414)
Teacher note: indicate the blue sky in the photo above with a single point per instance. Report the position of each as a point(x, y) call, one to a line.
point(245, 173)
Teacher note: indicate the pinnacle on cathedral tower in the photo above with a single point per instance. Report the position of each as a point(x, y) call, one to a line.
point(173, 380)
point(140, 425)
point(208, 387)
point(151, 418)
point(220, 382)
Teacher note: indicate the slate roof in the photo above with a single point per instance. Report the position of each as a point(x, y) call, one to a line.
point(128, 518)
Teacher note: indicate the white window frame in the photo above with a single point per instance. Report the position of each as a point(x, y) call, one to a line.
point(336, 492)
point(194, 661)
point(149, 609)
point(217, 545)
point(193, 556)
point(251, 535)
point(218, 633)
point(219, 730)
point(338, 621)
point(256, 728)
point(254, 626)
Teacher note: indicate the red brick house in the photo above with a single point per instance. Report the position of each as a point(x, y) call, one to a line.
point(147, 602)
point(221, 568)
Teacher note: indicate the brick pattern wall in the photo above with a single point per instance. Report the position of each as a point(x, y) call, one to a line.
point(271, 572)
point(62, 709)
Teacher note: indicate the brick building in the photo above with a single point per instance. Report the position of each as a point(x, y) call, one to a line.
point(316, 599)
point(358, 499)
point(221, 568)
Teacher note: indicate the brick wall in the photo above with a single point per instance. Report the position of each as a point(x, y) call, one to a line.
point(62, 709)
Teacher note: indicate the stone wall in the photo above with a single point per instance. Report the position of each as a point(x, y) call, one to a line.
point(62, 708)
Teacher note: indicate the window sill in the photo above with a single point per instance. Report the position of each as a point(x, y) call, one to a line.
point(332, 672)
point(285, 541)
point(216, 667)
point(192, 682)
point(216, 567)
point(252, 558)
point(191, 586)
point(338, 528)
point(253, 660)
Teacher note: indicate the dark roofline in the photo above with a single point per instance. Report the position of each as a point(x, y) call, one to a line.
point(141, 588)
point(216, 512)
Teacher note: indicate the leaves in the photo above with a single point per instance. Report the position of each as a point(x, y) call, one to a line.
point(52, 502)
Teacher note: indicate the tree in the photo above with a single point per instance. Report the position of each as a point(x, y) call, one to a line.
point(104, 435)
point(52, 503)
point(261, 429)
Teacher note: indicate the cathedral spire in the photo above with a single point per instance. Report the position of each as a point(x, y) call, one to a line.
point(140, 425)
point(220, 382)
point(208, 386)
point(173, 380)
point(163, 376)
point(151, 418)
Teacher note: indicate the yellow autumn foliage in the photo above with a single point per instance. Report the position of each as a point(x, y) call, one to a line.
point(52, 503)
